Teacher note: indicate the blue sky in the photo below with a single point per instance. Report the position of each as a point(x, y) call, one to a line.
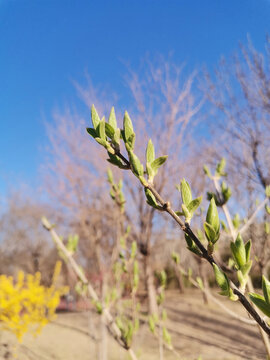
point(46, 44)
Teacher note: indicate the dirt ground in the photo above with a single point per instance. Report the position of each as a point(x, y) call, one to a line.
point(196, 329)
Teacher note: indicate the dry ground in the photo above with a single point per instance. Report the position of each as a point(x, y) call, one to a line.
point(197, 330)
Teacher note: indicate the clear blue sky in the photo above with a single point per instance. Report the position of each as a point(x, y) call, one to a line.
point(44, 44)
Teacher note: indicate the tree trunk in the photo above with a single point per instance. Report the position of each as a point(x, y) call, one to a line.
point(150, 286)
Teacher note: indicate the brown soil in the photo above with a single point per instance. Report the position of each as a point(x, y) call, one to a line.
point(196, 329)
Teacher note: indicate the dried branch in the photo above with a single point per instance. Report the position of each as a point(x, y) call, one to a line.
point(110, 323)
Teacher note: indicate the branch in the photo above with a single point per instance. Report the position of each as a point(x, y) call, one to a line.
point(204, 253)
point(111, 325)
point(253, 216)
point(220, 304)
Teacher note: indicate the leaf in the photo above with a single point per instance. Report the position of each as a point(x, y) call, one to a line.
point(128, 130)
point(102, 142)
point(135, 163)
point(116, 138)
point(224, 227)
point(212, 216)
point(175, 257)
point(200, 282)
point(101, 129)
point(226, 191)
point(194, 204)
point(191, 245)
point(133, 249)
point(267, 191)
point(259, 301)
point(150, 172)
point(222, 280)
point(266, 289)
point(158, 162)
point(95, 117)
point(112, 119)
point(110, 176)
point(186, 213)
point(186, 192)
point(115, 160)
point(210, 232)
point(109, 130)
point(151, 323)
point(267, 209)
point(245, 269)
point(150, 152)
point(166, 336)
point(92, 132)
point(239, 251)
point(206, 171)
point(247, 248)
point(220, 167)
point(151, 200)
point(236, 221)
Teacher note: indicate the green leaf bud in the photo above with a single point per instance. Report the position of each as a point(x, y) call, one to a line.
point(207, 171)
point(222, 281)
point(266, 289)
point(112, 119)
point(260, 302)
point(239, 251)
point(186, 192)
point(212, 217)
point(95, 117)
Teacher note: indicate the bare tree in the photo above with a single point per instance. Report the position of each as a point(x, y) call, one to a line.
point(163, 104)
point(23, 244)
point(240, 93)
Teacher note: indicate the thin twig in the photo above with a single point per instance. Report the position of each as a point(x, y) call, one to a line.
point(204, 253)
point(111, 325)
point(220, 304)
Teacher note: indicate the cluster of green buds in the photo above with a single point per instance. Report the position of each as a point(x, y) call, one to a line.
point(109, 136)
point(224, 284)
point(241, 256)
point(155, 320)
point(127, 265)
point(71, 246)
point(127, 329)
point(212, 226)
point(161, 291)
point(189, 205)
point(116, 192)
point(262, 301)
point(225, 191)
point(220, 170)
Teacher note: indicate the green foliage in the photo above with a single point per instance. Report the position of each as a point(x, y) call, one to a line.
point(220, 168)
point(212, 225)
point(152, 164)
point(236, 221)
point(106, 136)
point(189, 206)
point(241, 255)
point(72, 243)
point(175, 257)
point(223, 283)
point(207, 171)
point(262, 301)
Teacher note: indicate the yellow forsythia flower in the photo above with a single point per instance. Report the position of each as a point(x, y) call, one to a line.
point(27, 306)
